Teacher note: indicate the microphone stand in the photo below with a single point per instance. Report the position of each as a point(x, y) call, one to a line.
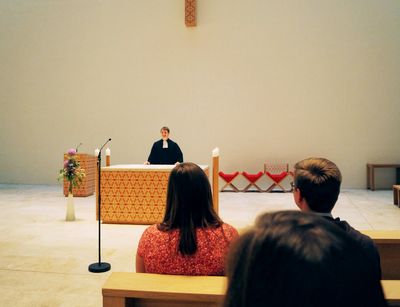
point(99, 267)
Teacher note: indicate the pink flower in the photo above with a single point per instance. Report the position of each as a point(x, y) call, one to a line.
point(72, 152)
point(66, 163)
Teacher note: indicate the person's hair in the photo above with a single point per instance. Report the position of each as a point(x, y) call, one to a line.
point(318, 180)
point(189, 205)
point(164, 128)
point(293, 259)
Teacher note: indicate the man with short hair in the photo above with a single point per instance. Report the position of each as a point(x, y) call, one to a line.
point(165, 151)
point(316, 189)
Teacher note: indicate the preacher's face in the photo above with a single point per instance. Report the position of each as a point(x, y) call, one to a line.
point(164, 134)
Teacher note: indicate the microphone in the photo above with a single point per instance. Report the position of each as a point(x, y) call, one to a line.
point(78, 147)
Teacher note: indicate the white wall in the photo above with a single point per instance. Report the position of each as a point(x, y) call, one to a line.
point(262, 80)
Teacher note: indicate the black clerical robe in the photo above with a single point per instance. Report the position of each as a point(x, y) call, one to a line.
point(170, 155)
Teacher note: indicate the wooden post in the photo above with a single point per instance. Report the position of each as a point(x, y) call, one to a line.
point(190, 13)
point(215, 171)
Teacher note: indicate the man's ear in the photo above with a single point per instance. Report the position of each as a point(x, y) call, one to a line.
point(300, 200)
point(296, 196)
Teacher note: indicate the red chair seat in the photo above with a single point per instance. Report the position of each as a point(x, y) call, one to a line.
point(277, 177)
point(252, 178)
point(228, 178)
point(276, 172)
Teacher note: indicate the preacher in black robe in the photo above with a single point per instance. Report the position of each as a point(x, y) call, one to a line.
point(161, 155)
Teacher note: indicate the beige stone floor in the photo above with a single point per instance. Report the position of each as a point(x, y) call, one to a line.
point(44, 260)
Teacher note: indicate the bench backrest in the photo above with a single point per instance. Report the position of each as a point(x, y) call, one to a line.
point(141, 289)
point(155, 290)
point(388, 243)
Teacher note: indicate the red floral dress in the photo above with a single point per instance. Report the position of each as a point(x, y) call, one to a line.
point(159, 250)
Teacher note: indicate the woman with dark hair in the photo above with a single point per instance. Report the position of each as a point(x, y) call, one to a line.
point(295, 259)
point(191, 239)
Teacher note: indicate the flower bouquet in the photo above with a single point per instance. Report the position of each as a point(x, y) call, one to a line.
point(74, 174)
point(72, 171)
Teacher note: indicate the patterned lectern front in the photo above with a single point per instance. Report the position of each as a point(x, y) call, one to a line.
point(134, 193)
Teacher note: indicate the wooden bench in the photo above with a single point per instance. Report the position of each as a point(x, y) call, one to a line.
point(141, 289)
point(154, 290)
point(388, 243)
point(371, 173)
point(391, 288)
point(396, 195)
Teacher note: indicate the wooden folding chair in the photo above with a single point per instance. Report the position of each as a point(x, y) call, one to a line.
point(228, 178)
point(252, 178)
point(276, 172)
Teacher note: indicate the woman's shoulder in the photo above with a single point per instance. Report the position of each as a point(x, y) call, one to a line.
point(151, 230)
point(229, 229)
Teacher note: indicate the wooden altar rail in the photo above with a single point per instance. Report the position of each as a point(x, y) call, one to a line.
point(156, 290)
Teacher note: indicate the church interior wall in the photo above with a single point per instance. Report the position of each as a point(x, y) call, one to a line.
point(262, 80)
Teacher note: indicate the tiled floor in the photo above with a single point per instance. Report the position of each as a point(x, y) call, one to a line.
point(44, 260)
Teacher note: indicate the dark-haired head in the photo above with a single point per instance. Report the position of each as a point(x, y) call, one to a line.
point(318, 181)
point(291, 259)
point(164, 128)
point(189, 205)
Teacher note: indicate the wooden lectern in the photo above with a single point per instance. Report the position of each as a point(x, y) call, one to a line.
point(87, 186)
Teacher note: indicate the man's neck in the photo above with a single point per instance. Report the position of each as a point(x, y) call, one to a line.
point(328, 214)
point(306, 208)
